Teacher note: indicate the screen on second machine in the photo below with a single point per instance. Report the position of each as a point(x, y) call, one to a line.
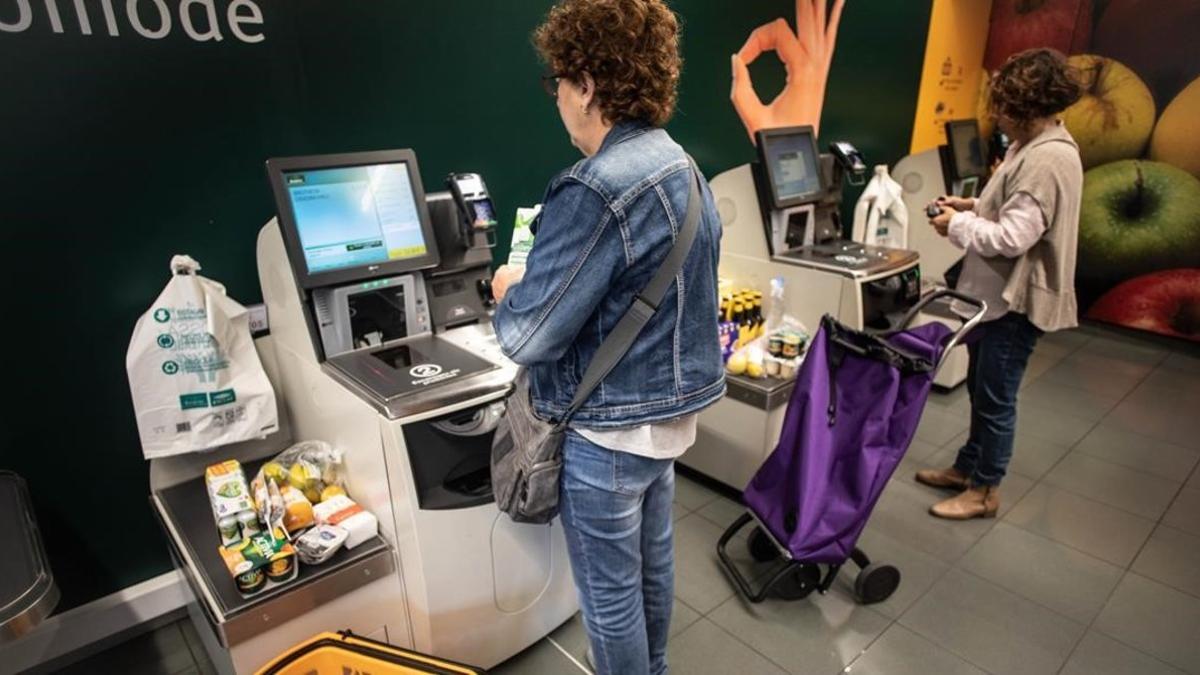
point(793, 166)
point(965, 145)
point(355, 216)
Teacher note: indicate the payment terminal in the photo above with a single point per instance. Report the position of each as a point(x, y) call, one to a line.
point(475, 206)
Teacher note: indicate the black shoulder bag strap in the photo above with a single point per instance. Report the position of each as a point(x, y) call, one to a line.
point(645, 304)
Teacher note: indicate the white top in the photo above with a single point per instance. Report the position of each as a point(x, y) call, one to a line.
point(1021, 226)
point(663, 440)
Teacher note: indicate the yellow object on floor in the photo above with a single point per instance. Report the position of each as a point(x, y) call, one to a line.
point(336, 654)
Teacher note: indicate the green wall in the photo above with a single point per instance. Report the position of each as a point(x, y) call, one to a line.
point(119, 151)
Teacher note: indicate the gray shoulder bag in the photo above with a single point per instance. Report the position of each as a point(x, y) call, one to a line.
point(527, 450)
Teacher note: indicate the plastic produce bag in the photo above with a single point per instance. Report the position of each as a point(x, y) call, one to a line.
point(196, 379)
point(286, 487)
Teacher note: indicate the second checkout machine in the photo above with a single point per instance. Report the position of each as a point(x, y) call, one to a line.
point(380, 345)
point(781, 218)
point(959, 168)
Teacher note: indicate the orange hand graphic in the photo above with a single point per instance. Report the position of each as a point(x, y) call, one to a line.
point(806, 54)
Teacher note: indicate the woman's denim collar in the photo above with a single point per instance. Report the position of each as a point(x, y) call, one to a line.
point(623, 130)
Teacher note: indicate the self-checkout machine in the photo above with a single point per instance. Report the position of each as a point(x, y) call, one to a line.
point(781, 218)
point(956, 168)
point(410, 384)
point(362, 368)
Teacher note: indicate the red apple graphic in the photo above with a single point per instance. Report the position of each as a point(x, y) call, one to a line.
point(1166, 302)
point(1156, 38)
point(1017, 25)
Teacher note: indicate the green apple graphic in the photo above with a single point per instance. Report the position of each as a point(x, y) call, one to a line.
point(1137, 217)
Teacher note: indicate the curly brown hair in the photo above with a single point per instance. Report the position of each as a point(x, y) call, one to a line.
point(629, 47)
point(1032, 84)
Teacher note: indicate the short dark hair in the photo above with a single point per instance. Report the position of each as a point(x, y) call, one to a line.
point(629, 47)
point(1032, 84)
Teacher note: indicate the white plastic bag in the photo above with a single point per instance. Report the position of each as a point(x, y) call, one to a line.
point(196, 379)
point(880, 217)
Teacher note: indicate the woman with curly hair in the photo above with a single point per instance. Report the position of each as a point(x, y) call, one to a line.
point(1019, 237)
point(607, 224)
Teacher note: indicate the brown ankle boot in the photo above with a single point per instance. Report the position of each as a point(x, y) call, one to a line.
point(974, 502)
point(943, 478)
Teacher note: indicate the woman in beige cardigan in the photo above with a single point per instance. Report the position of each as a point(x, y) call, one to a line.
point(1019, 237)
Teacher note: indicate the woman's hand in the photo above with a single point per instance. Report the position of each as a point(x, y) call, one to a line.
point(941, 222)
point(506, 276)
point(957, 203)
point(806, 54)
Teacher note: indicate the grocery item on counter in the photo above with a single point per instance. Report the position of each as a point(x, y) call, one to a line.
point(320, 543)
point(251, 582)
point(231, 533)
point(227, 489)
point(297, 510)
point(229, 496)
point(791, 346)
point(344, 512)
point(258, 559)
point(249, 524)
point(281, 569)
point(287, 486)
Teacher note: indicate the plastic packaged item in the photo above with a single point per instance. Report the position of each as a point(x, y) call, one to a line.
point(195, 377)
point(772, 365)
point(251, 582)
point(522, 236)
point(344, 512)
point(257, 559)
point(229, 495)
point(297, 510)
point(249, 524)
point(280, 569)
point(320, 543)
point(312, 470)
point(231, 533)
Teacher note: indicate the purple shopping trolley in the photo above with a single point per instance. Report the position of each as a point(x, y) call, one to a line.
point(850, 419)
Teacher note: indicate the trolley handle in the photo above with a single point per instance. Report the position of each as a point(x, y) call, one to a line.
point(969, 323)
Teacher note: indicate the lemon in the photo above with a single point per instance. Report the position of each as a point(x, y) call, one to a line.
point(754, 370)
point(276, 472)
point(331, 491)
point(737, 364)
point(297, 476)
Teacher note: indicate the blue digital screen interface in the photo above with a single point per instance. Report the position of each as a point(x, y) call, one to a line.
point(355, 216)
point(793, 165)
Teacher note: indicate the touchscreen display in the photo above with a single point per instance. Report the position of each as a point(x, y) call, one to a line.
point(793, 166)
point(355, 216)
point(966, 148)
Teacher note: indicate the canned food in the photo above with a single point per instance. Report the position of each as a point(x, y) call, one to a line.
point(280, 569)
point(230, 532)
point(249, 523)
point(791, 346)
point(251, 582)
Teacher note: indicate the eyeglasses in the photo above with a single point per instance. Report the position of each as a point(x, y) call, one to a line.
point(550, 84)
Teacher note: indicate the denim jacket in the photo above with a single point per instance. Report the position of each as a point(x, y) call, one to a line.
point(606, 225)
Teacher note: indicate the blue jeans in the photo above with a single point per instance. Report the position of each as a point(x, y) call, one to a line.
point(998, 360)
point(616, 512)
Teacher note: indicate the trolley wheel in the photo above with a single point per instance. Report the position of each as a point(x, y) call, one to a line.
point(761, 547)
point(799, 583)
point(876, 583)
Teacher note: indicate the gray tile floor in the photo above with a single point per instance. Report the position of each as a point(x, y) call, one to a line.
point(1093, 566)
